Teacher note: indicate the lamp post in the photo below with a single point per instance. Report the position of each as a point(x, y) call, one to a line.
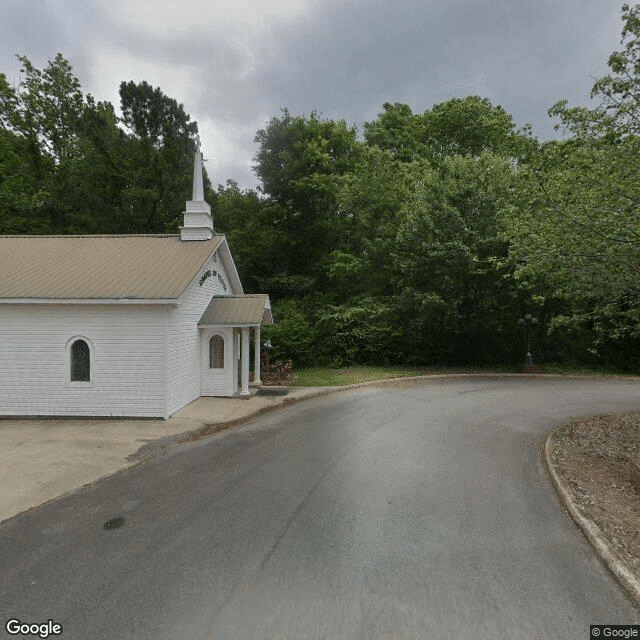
point(527, 321)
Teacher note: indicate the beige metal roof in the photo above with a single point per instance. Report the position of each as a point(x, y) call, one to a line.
point(238, 310)
point(142, 267)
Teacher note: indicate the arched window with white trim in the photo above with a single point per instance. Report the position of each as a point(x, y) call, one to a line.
point(80, 362)
point(216, 352)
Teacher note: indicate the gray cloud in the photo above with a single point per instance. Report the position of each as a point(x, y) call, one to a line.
point(233, 72)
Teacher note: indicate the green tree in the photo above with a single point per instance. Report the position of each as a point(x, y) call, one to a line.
point(398, 131)
point(160, 145)
point(41, 118)
point(471, 126)
point(455, 293)
point(299, 163)
point(574, 217)
point(371, 198)
point(461, 126)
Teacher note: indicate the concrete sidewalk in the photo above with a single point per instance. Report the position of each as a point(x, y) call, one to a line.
point(42, 459)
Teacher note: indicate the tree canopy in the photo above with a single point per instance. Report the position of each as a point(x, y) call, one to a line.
point(71, 166)
point(573, 221)
point(421, 242)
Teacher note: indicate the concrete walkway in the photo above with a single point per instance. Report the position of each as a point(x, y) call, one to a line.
point(42, 459)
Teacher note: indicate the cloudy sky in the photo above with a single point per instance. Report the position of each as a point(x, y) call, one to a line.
point(235, 63)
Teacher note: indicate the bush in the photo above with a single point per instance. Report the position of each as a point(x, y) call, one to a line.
point(292, 335)
point(362, 332)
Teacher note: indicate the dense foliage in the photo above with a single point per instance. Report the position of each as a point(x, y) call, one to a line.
point(68, 165)
point(422, 243)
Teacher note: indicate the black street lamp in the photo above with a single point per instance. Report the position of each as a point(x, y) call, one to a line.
point(527, 321)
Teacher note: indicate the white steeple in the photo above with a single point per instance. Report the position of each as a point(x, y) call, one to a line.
point(198, 223)
point(198, 189)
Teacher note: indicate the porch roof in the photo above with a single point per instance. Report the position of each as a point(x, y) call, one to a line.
point(244, 310)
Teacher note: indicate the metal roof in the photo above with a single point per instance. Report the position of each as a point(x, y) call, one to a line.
point(238, 310)
point(144, 267)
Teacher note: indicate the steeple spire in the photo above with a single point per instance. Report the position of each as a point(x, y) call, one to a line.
point(198, 188)
point(198, 223)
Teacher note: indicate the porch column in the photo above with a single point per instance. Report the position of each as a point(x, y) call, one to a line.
point(256, 357)
point(244, 356)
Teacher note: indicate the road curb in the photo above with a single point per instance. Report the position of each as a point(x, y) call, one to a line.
point(598, 541)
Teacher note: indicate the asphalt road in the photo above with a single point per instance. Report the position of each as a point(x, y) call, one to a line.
point(418, 510)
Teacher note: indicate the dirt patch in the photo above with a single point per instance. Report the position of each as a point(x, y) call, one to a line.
point(594, 455)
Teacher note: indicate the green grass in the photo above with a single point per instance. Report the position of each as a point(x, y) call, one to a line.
point(325, 377)
point(554, 367)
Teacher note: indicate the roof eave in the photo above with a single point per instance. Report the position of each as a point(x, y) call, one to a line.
point(88, 301)
point(229, 324)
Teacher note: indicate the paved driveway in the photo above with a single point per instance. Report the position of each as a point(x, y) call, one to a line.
point(418, 510)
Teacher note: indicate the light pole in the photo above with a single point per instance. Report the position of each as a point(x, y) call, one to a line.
point(267, 345)
point(527, 321)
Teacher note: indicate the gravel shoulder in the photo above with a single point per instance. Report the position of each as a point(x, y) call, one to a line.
point(594, 457)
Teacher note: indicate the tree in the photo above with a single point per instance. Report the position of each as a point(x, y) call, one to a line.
point(241, 216)
point(42, 118)
point(160, 145)
point(461, 126)
point(371, 198)
point(457, 299)
point(574, 218)
point(68, 167)
point(617, 115)
point(471, 126)
point(397, 131)
point(299, 163)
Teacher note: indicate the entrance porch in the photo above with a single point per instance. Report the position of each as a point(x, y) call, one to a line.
point(225, 346)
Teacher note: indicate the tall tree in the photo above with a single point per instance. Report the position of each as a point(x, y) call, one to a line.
point(458, 301)
point(461, 126)
point(160, 146)
point(398, 131)
point(299, 163)
point(574, 221)
point(41, 117)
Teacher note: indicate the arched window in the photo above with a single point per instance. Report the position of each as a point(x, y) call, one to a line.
point(80, 361)
point(216, 352)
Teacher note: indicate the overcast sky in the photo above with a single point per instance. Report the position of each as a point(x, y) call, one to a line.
point(234, 64)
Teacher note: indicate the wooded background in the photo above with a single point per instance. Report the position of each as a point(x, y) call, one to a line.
point(421, 241)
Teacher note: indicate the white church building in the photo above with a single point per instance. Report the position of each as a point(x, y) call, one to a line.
point(125, 325)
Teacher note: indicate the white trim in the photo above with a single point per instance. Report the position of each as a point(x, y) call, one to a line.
point(230, 324)
point(256, 356)
point(77, 383)
point(89, 301)
point(244, 355)
point(165, 376)
point(230, 266)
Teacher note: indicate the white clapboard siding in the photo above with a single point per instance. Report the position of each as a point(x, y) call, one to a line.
point(217, 382)
point(184, 335)
point(127, 360)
